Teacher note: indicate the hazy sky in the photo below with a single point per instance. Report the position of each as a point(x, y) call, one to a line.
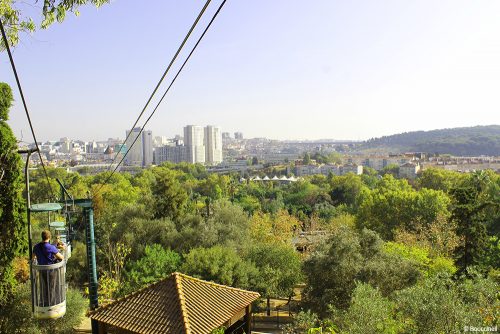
point(283, 69)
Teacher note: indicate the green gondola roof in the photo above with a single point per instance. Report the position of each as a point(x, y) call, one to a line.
point(46, 207)
point(57, 224)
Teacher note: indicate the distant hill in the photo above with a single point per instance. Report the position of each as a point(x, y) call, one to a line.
point(470, 141)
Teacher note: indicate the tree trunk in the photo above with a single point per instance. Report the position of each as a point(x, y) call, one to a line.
point(268, 306)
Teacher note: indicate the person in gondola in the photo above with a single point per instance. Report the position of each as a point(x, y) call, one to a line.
point(59, 244)
point(46, 254)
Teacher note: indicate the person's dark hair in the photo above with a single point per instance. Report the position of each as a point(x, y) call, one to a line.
point(46, 235)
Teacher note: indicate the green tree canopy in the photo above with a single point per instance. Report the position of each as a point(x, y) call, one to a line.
point(169, 195)
point(228, 225)
point(435, 306)
point(369, 312)
point(472, 205)
point(16, 316)
point(392, 169)
point(137, 232)
point(347, 256)
point(6, 100)
point(51, 11)
point(279, 268)
point(221, 265)
point(156, 264)
point(300, 197)
point(346, 189)
point(307, 158)
point(394, 204)
point(438, 179)
point(12, 208)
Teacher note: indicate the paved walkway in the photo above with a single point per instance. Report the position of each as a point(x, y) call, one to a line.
point(84, 327)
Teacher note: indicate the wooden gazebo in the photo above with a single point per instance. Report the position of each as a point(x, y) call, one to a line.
point(178, 304)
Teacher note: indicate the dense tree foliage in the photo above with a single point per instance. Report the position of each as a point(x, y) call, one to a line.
point(347, 189)
point(438, 305)
point(51, 11)
point(394, 204)
point(157, 263)
point(274, 228)
point(471, 211)
point(373, 248)
point(438, 179)
point(220, 264)
point(16, 316)
point(12, 207)
point(350, 256)
point(471, 141)
point(279, 269)
point(170, 198)
point(369, 312)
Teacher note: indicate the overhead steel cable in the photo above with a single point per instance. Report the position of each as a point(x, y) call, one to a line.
point(165, 93)
point(193, 26)
point(7, 47)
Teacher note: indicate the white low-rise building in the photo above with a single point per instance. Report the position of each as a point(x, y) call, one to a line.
point(409, 170)
point(302, 170)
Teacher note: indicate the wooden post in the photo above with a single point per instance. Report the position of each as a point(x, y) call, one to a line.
point(248, 319)
point(102, 328)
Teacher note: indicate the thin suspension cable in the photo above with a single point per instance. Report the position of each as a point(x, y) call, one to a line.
point(162, 77)
point(7, 47)
point(164, 94)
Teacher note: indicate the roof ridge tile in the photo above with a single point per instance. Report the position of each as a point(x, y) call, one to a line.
point(182, 301)
point(216, 284)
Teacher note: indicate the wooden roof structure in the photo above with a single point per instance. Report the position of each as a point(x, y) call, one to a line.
point(178, 304)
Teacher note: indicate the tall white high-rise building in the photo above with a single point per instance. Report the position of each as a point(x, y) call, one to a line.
point(65, 145)
point(134, 155)
point(195, 143)
point(213, 145)
point(147, 148)
point(141, 152)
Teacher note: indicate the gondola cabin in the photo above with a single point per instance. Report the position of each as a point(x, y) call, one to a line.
point(49, 281)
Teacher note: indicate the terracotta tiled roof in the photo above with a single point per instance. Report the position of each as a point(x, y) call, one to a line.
point(178, 304)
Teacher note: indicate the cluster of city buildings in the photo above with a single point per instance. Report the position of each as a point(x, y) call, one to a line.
point(224, 153)
point(277, 152)
point(65, 150)
point(410, 164)
point(407, 165)
point(237, 136)
point(199, 145)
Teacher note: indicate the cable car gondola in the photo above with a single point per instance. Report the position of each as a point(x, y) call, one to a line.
point(48, 282)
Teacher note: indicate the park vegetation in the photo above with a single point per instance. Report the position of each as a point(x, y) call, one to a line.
point(394, 258)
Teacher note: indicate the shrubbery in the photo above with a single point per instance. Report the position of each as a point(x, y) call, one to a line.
point(16, 316)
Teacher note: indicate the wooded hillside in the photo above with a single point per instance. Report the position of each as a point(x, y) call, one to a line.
point(470, 141)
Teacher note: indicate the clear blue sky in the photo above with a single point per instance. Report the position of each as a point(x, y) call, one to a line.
point(283, 69)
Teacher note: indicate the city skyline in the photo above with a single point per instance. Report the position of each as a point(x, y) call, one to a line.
point(361, 70)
